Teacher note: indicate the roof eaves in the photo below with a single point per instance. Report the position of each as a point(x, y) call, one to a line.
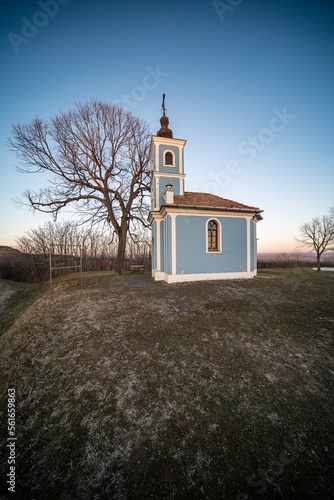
point(201, 207)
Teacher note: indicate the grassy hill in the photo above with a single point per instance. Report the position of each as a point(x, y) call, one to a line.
point(210, 390)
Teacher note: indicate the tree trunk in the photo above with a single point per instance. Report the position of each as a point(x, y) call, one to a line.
point(318, 261)
point(121, 249)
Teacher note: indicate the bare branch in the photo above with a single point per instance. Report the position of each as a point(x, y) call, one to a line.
point(97, 157)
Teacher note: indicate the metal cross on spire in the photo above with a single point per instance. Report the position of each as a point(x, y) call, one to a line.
point(163, 103)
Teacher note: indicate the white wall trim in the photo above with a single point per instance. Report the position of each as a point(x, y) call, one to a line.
point(182, 278)
point(157, 205)
point(213, 214)
point(168, 140)
point(248, 246)
point(165, 244)
point(158, 250)
point(169, 174)
point(173, 235)
point(255, 246)
point(180, 159)
point(156, 158)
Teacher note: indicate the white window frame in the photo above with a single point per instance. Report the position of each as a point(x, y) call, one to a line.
point(219, 236)
point(164, 158)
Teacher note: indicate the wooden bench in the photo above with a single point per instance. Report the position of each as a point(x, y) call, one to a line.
point(137, 269)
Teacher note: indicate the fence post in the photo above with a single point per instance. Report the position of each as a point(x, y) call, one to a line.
point(81, 250)
point(50, 273)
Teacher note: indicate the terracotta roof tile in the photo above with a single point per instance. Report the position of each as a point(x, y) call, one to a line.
point(208, 200)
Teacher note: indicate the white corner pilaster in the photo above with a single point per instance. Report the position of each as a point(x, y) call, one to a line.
point(173, 216)
point(180, 159)
point(248, 246)
point(158, 245)
point(157, 158)
point(157, 205)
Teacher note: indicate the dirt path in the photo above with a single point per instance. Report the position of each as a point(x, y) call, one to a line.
point(7, 288)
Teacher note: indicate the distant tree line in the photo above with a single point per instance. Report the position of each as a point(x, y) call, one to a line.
point(318, 235)
point(68, 242)
point(285, 260)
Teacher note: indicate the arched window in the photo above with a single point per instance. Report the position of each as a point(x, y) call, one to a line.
point(168, 158)
point(212, 236)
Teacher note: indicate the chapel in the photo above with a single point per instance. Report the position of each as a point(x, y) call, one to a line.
point(195, 236)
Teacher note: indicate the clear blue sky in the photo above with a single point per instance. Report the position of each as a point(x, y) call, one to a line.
point(249, 84)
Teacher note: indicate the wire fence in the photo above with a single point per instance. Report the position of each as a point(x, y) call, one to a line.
point(70, 257)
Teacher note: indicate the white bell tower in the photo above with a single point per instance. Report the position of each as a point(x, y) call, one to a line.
point(167, 164)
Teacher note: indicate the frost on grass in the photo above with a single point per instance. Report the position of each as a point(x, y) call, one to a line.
point(171, 391)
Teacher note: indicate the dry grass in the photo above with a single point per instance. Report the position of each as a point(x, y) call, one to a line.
point(14, 299)
point(135, 389)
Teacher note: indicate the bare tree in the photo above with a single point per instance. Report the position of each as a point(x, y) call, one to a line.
point(318, 234)
point(331, 211)
point(139, 245)
point(97, 155)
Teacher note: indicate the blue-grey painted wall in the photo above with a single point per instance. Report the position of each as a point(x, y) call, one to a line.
point(191, 255)
point(171, 169)
point(163, 181)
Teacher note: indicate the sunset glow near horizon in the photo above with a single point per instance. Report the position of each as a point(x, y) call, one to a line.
point(249, 84)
